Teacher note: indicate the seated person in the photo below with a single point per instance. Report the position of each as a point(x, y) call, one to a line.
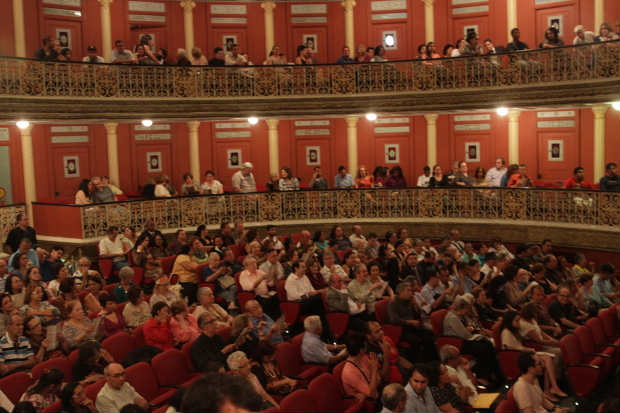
point(78, 328)
point(43, 393)
point(254, 280)
point(268, 371)
point(239, 365)
point(121, 290)
point(185, 268)
point(90, 363)
point(393, 398)
point(209, 306)
point(209, 351)
point(299, 289)
point(74, 399)
point(264, 327)
point(527, 392)
point(111, 246)
point(392, 366)
point(544, 319)
point(313, 350)
point(463, 379)
point(112, 320)
point(162, 292)
point(221, 275)
point(362, 289)
point(338, 298)
point(444, 394)
point(35, 306)
point(137, 311)
point(564, 311)
point(360, 375)
point(117, 392)
point(15, 351)
point(157, 331)
point(419, 396)
point(183, 325)
point(70, 291)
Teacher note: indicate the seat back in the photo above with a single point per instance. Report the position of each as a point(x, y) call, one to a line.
point(92, 390)
point(437, 321)
point(584, 337)
point(171, 368)
point(300, 401)
point(288, 356)
point(550, 298)
point(243, 297)
point(609, 318)
point(225, 333)
point(281, 291)
point(110, 288)
point(571, 353)
point(142, 378)
point(508, 405)
point(598, 333)
point(187, 350)
point(167, 263)
point(138, 336)
point(338, 323)
point(381, 310)
point(105, 267)
point(119, 345)
point(14, 385)
point(138, 275)
point(61, 363)
point(325, 390)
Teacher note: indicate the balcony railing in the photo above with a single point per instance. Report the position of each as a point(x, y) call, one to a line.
point(548, 207)
point(31, 78)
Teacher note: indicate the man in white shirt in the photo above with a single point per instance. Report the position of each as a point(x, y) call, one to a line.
point(92, 56)
point(425, 178)
point(582, 36)
point(117, 393)
point(272, 267)
point(357, 235)
point(489, 268)
point(298, 288)
point(112, 247)
point(243, 179)
point(236, 59)
point(120, 55)
point(495, 174)
point(458, 367)
point(527, 392)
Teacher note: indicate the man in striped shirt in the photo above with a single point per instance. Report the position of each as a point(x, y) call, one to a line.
point(15, 350)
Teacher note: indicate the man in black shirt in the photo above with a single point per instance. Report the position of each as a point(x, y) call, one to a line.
point(218, 59)
point(21, 231)
point(208, 351)
point(565, 312)
point(610, 181)
point(516, 43)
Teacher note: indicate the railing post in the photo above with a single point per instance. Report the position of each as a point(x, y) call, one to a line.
point(194, 148)
point(30, 187)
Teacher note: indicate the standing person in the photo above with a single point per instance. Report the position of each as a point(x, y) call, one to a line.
point(495, 174)
point(287, 182)
point(396, 178)
point(318, 181)
point(211, 186)
point(343, 180)
point(21, 231)
point(243, 180)
point(425, 178)
point(438, 180)
point(363, 179)
point(610, 182)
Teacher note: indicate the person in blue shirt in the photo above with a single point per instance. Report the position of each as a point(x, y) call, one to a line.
point(343, 180)
point(346, 56)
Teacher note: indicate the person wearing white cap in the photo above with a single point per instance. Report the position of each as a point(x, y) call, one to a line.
point(243, 179)
point(582, 36)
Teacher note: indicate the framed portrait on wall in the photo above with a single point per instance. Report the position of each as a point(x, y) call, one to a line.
point(390, 41)
point(64, 38)
point(472, 151)
point(392, 153)
point(228, 40)
point(153, 162)
point(313, 155)
point(71, 166)
point(556, 21)
point(234, 158)
point(152, 37)
point(555, 150)
point(311, 42)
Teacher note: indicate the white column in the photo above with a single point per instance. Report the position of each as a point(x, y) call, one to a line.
point(188, 22)
point(599, 141)
point(431, 139)
point(112, 143)
point(274, 158)
point(429, 20)
point(106, 29)
point(349, 25)
point(18, 30)
point(194, 149)
point(599, 14)
point(352, 143)
point(268, 6)
point(30, 187)
point(511, 15)
point(513, 136)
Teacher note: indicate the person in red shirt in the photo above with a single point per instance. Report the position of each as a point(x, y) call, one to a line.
point(577, 180)
point(520, 179)
point(157, 331)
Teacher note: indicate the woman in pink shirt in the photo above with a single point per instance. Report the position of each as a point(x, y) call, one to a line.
point(360, 375)
point(183, 325)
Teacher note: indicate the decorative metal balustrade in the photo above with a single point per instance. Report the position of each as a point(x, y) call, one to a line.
point(31, 78)
point(8, 218)
point(538, 207)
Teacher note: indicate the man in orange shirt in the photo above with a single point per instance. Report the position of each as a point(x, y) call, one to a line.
point(577, 180)
point(520, 179)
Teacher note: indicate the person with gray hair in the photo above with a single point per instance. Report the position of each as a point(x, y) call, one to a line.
point(394, 398)
point(240, 365)
point(313, 350)
point(117, 392)
point(475, 344)
point(458, 367)
point(121, 290)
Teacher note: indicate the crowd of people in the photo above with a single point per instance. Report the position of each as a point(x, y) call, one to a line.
point(145, 52)
point(51, 306)
point(98, 190)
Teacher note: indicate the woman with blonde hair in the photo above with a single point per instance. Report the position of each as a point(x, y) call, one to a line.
point(364, 179)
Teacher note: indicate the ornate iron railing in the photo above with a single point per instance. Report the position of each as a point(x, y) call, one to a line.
point(29, 78)
point(8, 215)
point(600, 209)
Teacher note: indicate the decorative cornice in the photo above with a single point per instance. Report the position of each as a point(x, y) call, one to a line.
point(272, 124)
point(105, 4)
point(431, 118)
point(268, 6)
point(599, 111)
point(428, 3)
point(348, 4)
point(111, 127)
point(187, 5)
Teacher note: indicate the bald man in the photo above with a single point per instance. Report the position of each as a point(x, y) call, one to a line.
point(117, 392)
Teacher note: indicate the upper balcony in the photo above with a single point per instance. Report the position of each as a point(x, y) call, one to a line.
point(43, 91)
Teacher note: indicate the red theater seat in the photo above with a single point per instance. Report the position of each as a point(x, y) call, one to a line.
point(437, 323)
point(167, 263)
point(590, 351)
point(142, 377)
point(583, 376)
point(393, 331)
point(325, 389)
point(61, 363)
point(292, 364)
point(508, 405)
point(119, 345)
point(507, 358)
point(172, 369)
point(14, 385)
point(92, 390)
point(300, 401)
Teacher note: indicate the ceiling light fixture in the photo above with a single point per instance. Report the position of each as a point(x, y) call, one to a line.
point(22, 124)
point(371, 116)
point(502, 111)
point(252, 120)
point(147, 123)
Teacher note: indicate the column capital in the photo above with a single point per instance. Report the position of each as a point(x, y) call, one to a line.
point(348, 4)
point(428, 3)
point(187, 5)
point(105, 3)
point(431, 118)
point(513, 114)
point(272, 124)
point(599, 111)
point(193, 125)
point(351, 121)
point(268, 5)
point(110, 127)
